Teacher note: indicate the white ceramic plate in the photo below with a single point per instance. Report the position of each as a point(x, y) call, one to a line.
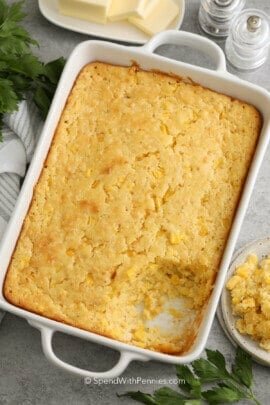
point(227, 320)
point(116, 31)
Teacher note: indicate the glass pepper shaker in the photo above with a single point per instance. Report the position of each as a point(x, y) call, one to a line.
point(247, 45)
point(215, 16)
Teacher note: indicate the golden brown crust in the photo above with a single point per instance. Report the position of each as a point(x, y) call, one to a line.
point(131, 213)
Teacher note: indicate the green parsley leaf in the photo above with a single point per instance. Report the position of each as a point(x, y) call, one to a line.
point(13, 37)
point(140, 397)
point(27, 65)
point(192, 384)
point(167, 396)
point(17, 42)
point(42, 100)
point(3, 66)
point(206, 371)
point(222, 395)
point(3, 11)
point(8, 97)
point(22, 72)
point(12, 13)
point(242, 369)
point(53, 70)
point(231, 384)
point(240, 390)
point(20, 83)
point(163, 396)
point(217, 358)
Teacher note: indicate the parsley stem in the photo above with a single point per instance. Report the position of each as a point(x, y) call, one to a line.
point(253, 398)
point(246, 391)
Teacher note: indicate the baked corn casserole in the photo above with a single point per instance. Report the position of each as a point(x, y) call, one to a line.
point(250, 298)
point(131, 214)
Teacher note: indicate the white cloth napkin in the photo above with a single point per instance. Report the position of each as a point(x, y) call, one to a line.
point(20, 133)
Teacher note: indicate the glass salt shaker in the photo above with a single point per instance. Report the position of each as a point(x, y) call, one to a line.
point(247, 45)
point(215, 16)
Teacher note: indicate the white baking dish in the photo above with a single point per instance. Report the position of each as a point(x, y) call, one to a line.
point(218, 80)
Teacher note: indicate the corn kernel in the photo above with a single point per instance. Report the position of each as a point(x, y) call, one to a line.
point(267, 279)
point(88, 173)
point(158, 202)
point(175, 279)
point(25, 261)
point(203, 230)
point(175, 313)
point(232, 282)
point(176, 238)
point(89, 279)
point(265, 264)
point(164, 128)
point(140, 333)
point(242, 271)
point(147, 314)
point(266, 309)
point(240, 324)
point(158, 173)
point(253, 259)
point(219, 163)
point(131, 273)
point(153, 266)
point(73, 148)
point(248, 303)
point(258, 273)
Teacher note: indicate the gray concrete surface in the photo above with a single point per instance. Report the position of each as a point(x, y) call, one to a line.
point(26, 377)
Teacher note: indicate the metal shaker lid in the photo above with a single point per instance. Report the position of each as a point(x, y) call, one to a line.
point(251, 28)
point(215, 16)
point(249, 39)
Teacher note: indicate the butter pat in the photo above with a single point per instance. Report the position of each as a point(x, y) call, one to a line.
point(148, 7)
point(90, 10)
point(122, 10)
point(160, 17)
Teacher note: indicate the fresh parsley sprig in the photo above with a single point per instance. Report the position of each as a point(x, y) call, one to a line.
point(226, 386)
point(21, 72)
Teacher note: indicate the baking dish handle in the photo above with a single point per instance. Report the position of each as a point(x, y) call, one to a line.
point(46, 339)
point(191, 40)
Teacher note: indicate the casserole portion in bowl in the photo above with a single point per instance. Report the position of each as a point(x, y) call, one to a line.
point(132, 211)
